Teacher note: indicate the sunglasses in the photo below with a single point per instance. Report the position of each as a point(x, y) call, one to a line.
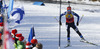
point(68, 10)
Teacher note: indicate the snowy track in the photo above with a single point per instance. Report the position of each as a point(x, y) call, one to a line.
point(46, 27)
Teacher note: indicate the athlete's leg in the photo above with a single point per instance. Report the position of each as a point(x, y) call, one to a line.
point(77, 31)
point(68, 33)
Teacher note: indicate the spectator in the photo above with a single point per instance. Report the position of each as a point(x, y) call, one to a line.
point(13, 33)
point(34, 42)
point(20, 43)
point(16, 39)
point(38, 46)
point(1, 23)
point(28, 45)
point(0, 5)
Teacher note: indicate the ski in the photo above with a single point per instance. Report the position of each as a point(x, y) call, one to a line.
point(89, 43)
point(67, 46)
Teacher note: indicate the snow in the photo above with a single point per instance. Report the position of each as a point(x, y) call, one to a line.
point(46, 26)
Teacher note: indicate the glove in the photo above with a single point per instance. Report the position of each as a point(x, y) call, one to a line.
point(61, 14)
point(60, 23)
point(77, 23)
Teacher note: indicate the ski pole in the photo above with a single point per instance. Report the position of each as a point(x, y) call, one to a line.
point(59, 26)
point(56, 19)
point(81, 18)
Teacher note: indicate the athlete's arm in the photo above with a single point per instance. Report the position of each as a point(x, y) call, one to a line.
point(62, 15)
point(76, 16)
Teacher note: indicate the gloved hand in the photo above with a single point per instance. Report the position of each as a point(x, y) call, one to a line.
point(61, 15)
point(77, 23)
point(60, 23)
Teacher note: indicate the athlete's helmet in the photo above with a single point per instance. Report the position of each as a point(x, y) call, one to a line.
point(68, 8)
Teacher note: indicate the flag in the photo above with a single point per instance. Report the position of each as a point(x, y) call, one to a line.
point(10, 8)
point(31, 34)
point(17, 14)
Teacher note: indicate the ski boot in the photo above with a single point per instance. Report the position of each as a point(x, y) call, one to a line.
point(68, 45)
point(83, 40)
